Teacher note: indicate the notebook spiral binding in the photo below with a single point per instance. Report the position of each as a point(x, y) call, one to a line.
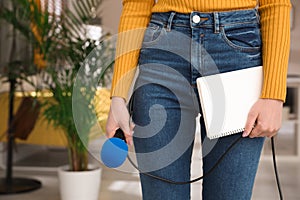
point(228, 133)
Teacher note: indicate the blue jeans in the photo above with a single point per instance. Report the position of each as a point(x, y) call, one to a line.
point(177, 49)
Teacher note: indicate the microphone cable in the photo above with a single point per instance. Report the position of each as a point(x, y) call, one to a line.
point(213, 168)
point(275, 169)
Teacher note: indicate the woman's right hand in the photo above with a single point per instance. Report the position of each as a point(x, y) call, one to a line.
point(119, 117)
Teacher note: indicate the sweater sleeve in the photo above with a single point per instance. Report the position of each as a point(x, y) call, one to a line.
point(134, 19)
point(275, 30)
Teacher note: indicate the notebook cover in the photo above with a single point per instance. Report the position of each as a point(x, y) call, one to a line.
point(227, 98)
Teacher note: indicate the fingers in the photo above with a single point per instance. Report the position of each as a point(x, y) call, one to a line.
point(129, 139)
point(264, 130)
point(111, 125)
point(261, 129)
point(128, 132)
point(252, 116)
point(118, 117)
point(264, 119)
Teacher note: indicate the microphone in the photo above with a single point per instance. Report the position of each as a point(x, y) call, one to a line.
point(114, 151)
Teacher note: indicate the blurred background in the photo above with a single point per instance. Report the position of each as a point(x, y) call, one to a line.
point(43, 45)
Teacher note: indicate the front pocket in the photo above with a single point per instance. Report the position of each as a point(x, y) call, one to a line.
point(153, 33)
point(242, 37)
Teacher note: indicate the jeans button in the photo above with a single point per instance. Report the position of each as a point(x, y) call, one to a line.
point(196, 19)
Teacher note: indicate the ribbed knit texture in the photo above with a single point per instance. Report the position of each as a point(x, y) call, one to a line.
point(275, 21)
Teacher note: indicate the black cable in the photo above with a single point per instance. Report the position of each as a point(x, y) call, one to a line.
point(213, 168)
point(194, 180)
point(275, 169)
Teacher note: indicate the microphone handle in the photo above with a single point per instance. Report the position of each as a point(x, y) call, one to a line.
point(120, 134)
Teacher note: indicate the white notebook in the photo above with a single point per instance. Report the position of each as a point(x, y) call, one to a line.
point(226, 99)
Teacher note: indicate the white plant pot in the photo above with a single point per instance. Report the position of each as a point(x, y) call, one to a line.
point(83, 185)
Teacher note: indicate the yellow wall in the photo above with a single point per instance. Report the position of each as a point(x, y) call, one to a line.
point(42, 134)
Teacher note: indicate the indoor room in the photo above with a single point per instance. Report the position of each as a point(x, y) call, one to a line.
point(59, 64)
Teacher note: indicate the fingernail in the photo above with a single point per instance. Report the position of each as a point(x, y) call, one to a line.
point(245, 134)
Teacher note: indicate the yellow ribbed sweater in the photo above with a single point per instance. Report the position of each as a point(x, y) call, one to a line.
point(275, 30)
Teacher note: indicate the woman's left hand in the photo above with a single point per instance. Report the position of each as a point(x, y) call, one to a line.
point(264, 118)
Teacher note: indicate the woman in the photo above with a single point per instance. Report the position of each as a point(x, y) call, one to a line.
point(183, 41)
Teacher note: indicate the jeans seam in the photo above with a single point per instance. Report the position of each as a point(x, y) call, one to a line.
point(240, 48)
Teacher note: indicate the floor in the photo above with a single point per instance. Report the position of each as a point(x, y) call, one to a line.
point(116, 185)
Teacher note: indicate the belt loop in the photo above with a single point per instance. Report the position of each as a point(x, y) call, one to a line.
point(257, 16)
point(256, 11)
point(216, 22)
point(170, 20)
point(257, 4)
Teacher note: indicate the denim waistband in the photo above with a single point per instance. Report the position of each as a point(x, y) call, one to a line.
point(206, 19)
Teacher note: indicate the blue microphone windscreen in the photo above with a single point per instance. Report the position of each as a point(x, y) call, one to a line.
point(114, 152)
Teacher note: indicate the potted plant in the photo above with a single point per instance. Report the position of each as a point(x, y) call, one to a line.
point(71, 67)
point(72, 109)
